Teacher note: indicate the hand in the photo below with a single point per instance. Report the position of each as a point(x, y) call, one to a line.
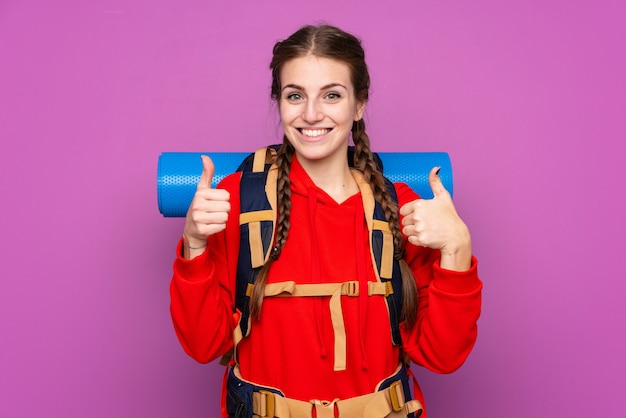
point(434, 223)
point(208, 211)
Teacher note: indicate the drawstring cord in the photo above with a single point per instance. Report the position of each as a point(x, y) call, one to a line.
point(316, 270)
point(362, 277)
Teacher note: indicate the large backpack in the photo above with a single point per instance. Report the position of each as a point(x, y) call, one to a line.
point(257, 222)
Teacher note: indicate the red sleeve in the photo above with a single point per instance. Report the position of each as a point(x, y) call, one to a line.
point(448, 307)
point(202, 290)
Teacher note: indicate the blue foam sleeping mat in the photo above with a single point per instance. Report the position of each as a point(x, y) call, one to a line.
point(178, 174)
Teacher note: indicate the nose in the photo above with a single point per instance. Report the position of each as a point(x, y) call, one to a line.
point(312, 112)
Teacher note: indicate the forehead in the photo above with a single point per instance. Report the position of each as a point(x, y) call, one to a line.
point(311, 72)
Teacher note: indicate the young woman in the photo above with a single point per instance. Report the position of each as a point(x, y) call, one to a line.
point(317, 335)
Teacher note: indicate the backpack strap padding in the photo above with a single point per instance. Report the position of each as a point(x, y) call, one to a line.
point(254, 219)
point(386, 268)
point(261, 158)
point(386, 263)
point(260, 248)
point(257, 225)
point(376, 226)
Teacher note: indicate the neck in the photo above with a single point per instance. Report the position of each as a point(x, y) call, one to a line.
point(334, 177)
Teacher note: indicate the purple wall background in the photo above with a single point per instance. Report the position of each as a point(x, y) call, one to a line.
point(529, 98)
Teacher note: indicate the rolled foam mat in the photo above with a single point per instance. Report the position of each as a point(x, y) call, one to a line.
point(178, 174)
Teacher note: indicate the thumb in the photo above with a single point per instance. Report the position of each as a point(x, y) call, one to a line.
point(207, 173)
point(435, 182)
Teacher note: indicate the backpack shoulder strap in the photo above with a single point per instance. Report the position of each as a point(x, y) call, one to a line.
point(394, 300)
point(382, 251)
point(256, 220)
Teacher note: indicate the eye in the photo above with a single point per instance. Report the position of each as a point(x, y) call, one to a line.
point(294, 97)
point(333, 96)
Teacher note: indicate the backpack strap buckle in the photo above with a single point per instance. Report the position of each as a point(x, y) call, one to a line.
point(350, 288)
point(396, 396)
point(263, 405)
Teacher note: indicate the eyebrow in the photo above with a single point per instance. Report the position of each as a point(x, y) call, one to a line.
point(326, 87)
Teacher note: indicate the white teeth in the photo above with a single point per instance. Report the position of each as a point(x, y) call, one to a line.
point(314, 132)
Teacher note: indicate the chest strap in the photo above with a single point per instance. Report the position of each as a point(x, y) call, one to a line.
point(335, 291)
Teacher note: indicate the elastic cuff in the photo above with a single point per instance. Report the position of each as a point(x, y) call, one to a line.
point(459, 282)
point(195, 270)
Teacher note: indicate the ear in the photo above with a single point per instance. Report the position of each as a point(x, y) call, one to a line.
point(360, 109)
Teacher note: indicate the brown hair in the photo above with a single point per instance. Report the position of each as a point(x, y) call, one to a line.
point(331, 42)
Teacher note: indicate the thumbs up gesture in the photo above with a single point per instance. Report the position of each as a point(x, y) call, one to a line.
point(208, 211)
point(434, 223)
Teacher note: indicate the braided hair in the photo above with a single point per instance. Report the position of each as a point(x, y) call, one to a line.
point(283, 200)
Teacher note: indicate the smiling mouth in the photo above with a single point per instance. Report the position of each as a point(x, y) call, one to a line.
point(313, 133)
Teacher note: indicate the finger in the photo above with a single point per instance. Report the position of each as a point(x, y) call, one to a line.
point(212, 194)
point(435, 183)
point(208, 169)
point(406, 209)
point(210, 218)
point(410, 209)
point(213, 228)
point(415, 240)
